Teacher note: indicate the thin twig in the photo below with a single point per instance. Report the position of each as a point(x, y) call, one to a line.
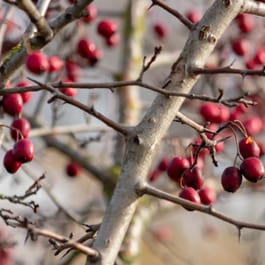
point(173, 12)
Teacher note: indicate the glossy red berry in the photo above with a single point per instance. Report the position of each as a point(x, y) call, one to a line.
point(231, 179)
point(10, 164)
point(37, 63)
point(193, 178)
point(248, 147)
point(215, 113)
point(91, 11)
point(106, 28)
point(20, 129)
point(72, 169)
point(241, 46)
point(190, 194)
point(55, 64)
point(252, 169)
point(160, 30)
point(176, 168)
point(95, 57)
point(207, 195)
point(12, 104)
point(26, 96)
point(23, 151)
point(85, 48)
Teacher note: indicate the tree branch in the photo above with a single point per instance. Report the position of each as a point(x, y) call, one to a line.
point(149, 190)
point(173, 12)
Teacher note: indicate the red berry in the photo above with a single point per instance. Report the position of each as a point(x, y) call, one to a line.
point(176, 168)
point(160, 30)
point(207, 195)
point(55, 64)
point(68, 91)
point(72, 169)
point(193, 178)
point(252, 169)
point(215, 113)
point(163, 164)
point(91, 13)
point(26, 96)
point(241, 46)
point(113, 40)
point(251, 64)
point(95, 56)
point(10, 164)
point(245, 22)
point(231, 179)
point(190, 194)
point(23, 151)
point(85, 48)
point(248, 147)
point(193, 15)
point(253, 125)
point(154, 175)
point(71, 69)
point(259, 57)
point(19, 129)
point(37, 63)
point(106, 28)
point(12, 104)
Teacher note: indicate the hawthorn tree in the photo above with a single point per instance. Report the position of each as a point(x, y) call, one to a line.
point(52, 47)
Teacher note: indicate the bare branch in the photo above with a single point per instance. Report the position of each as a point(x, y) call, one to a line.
point(254, 7)
point(149, 190)
point(173, 12)
point(90, 110)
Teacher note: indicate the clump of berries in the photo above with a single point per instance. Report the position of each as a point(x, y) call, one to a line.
point(23, 149)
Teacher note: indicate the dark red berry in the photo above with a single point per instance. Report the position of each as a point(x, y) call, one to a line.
point(106, 28)
point(19, 129)
point(23, 151)
point(55, 64)
point(252, 169)
point(113, 40)
point(259, 57)
point(248, 147)
point(245, 22)
point(160, 30)
point(10, 164)
point(176, 168)
point(26, 96)
point(163, 164)
point(190, 194)
point(72, 169)
point(215, 113)
point(193, 178)
point(37, 63)
point(91, 11)
point(241, 46)
point(231, 179)
point(12, 104)
point(154, 175)
point(71, 68)
point(85, 48)
point(207, 195)
point(68, 91)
